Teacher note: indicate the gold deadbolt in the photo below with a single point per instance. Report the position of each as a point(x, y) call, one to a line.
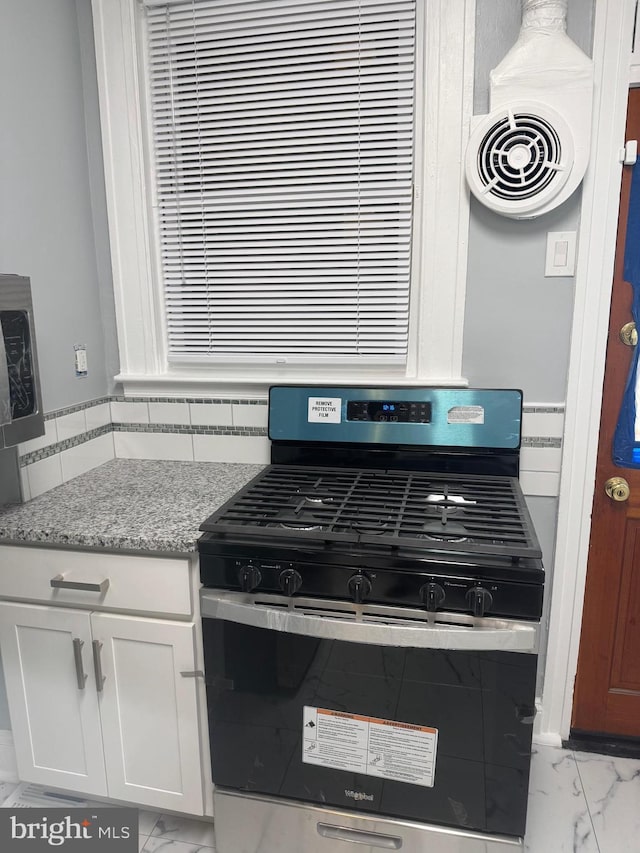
point(629, 334)
point(617, 488)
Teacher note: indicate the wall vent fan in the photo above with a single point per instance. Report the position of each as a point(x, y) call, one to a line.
point(531, 151)
point(519, 158)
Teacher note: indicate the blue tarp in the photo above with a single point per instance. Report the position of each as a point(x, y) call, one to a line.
point(626, 450)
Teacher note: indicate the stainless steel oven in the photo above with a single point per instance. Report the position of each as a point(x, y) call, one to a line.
point(370, 618)
point(21, 416)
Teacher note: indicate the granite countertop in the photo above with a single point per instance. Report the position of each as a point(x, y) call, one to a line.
point(128, 504)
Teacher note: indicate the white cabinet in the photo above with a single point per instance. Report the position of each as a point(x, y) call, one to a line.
point(149, 711)
point(56, 724)
point(103, 703)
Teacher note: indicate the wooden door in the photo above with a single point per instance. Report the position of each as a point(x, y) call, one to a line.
point(149, 712)
point(607, 690)
point(54, 709)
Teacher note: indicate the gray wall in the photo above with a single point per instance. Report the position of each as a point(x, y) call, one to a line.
point(52, 207)
point(97, 190)
point(517, 322)
point(48, 180)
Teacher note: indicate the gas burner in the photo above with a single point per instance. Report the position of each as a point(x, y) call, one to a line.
point(373, 527)
point(445, 532)
point(299, 517)
point(317, 491)
point(455, 499)
point(292, 524)
point(298, 513)
point(448, 503)
point(443, 537)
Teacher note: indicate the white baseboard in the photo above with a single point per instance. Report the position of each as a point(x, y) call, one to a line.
point(548, 739)
point(540, 737)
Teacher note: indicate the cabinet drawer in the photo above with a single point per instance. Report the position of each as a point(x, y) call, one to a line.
point(144, 584)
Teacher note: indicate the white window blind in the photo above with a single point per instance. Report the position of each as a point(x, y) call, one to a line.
point(283, 143)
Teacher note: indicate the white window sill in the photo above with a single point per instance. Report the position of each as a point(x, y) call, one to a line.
point(208, 384)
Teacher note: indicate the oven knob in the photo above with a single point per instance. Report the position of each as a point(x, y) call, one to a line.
point(479, 600)
point(290, 581)
point(359, 587)
point(249, 578)
point(432, 595)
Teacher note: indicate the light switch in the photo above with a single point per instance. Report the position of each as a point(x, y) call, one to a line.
point(561, 253)
point(80, 352)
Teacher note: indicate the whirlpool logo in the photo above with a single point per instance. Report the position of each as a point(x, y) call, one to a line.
point(358, 796)
point(29, 830)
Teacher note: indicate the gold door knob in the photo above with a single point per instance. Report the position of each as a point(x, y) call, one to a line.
point(629, 334)
point(617, 488)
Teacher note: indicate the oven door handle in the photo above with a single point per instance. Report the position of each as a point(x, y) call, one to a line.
point(482, 635)
point(359, 836)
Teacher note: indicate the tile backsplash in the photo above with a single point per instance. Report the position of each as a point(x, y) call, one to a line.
point(82, 437)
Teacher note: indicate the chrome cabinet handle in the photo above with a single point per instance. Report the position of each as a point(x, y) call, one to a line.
point(97, 665)
point(359, 836)
point(194, 673)
point(58, 582)
point(81, 677)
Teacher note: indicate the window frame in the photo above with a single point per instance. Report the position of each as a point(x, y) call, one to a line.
point(440, 228)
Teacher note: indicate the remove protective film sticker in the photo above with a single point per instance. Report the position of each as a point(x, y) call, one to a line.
point(465, 415)
point(383, 748)
point(324, 410)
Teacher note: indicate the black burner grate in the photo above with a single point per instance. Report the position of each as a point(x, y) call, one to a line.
point(470, 514)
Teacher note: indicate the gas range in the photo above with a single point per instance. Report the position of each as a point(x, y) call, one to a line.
point(370, 611)
point(394, 496)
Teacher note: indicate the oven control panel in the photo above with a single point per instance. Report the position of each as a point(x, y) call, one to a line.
point(431, 590)
point(393, 411)
point(407, 416)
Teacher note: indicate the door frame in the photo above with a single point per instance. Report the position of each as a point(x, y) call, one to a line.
point(593, 283)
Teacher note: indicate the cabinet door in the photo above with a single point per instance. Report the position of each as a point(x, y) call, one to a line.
point(46, 653)
point(149, 712)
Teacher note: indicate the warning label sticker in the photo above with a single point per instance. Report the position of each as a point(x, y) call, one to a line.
point(324, 410)
point(465, 415)
point(383, 748)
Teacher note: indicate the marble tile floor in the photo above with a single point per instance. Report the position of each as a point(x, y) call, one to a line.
point(578, 803)
point(581, 802)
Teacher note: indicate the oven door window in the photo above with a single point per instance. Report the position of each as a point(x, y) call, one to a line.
point(481, 703)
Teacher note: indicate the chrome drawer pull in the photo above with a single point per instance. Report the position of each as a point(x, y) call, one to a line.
point(195, 673)
point(97, 665)
point(60, 583)
point(359, 836)
point(77, 657)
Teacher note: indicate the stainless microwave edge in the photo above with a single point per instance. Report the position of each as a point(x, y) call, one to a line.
point(15, 295)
